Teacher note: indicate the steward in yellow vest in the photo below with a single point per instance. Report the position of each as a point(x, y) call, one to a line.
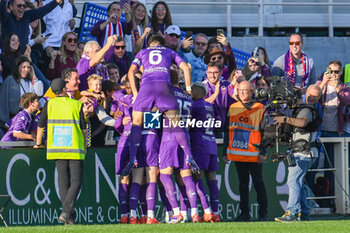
point(66, 136)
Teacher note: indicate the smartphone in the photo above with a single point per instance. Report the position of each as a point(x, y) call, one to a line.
point(47, 35)
point(328, 70)
point(188, 34)
point(219, 31)
point(122, 2)
point(256, 52)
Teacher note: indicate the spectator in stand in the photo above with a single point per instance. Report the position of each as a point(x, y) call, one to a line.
point(71, 77)
point(264, 57)
point(236, 77)
point(58, 22)
point(335, 97)
point(112, 26)
point(218, 95)
point(113, 72)
point(161, 17)
point(17, 20)
point(219, 57)
point(220, 42)
point(196, 56)
point(90, 61)
point(118, 55)
point(140, 27)
point(295, 65)
point(36, 39)
point(12, 48)
point(254, 69)
point(20, 82)
point(21, 123)
point(172, 37)
point(68, 56)
point(94, 92)
point(10, 51)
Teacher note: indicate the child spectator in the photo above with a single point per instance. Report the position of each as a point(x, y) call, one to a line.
point(21, 123)
point(95, 91)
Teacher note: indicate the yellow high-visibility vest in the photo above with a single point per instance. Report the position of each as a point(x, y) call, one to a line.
point(65, 138)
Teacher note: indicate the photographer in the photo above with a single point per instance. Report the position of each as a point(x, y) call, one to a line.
point(304, 122)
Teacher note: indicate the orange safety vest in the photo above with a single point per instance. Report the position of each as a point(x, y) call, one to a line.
point(244, 131)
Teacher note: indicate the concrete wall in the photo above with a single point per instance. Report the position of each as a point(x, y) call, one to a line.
point(321, 49)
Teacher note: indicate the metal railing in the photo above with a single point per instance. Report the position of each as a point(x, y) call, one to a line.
point(260, 4)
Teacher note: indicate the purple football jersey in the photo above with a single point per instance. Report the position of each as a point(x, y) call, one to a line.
point(185, 103)
point(19, 123)
point(156, 62)
point(202, 138)
point(170, 153)
point(222, 102)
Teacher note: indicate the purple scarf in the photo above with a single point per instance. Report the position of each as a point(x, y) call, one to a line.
point(289, 68)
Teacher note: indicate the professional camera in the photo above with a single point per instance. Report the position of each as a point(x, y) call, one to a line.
point(288, 157)
point(280, 97)
point(280, 94)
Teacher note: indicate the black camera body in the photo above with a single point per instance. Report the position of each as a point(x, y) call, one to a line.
point(280, 94)
point(288, 157)
point(281, 97)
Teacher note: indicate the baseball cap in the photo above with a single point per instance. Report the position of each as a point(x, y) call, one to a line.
point(58, 84)
point(202, 85)
point(173, 29)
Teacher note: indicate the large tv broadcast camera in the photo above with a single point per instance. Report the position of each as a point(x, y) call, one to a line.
point(281, 98)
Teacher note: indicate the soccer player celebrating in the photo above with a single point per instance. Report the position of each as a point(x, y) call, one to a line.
point(204, 149)
point(155, 91)
point(171, 156)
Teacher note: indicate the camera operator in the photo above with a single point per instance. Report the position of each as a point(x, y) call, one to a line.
point(247, 120)
point(303, 148)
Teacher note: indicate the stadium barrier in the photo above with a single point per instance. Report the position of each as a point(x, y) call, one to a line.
point(32, 183)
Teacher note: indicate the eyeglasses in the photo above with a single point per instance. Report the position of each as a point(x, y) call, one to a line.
point(160, 9)
point(294, 42)
point(21, 5)
point(217, 57)
point(174, 35)
point(70, 40)
point(200, 43)
point(212, 73)
point(120, 47)
point(254, 62)
point(335, 71)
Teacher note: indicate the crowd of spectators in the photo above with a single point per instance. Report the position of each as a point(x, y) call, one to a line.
point(38, 45)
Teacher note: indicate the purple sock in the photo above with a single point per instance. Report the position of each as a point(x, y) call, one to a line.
point(135, 140)
point(184, 203)
point(190, 190)
point(214, 195)
point(182, 140)
point(143, 202)
point(123, 198)
point(202, 193)
point(165, 201)
point(151, 195)
point(134, 195)
point(169, 189)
